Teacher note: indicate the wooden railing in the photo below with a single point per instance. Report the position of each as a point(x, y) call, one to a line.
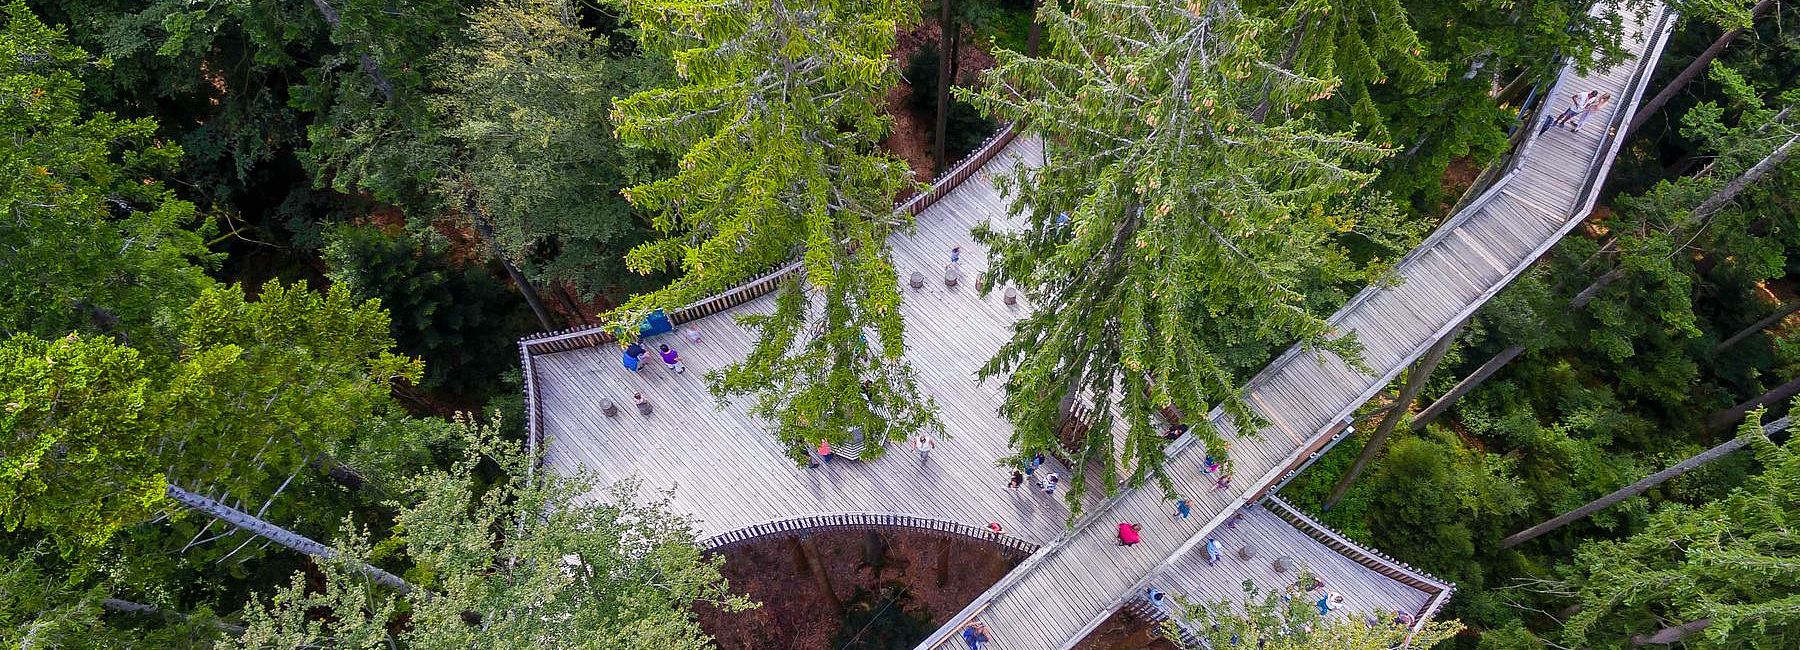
point(1375, 560)
point(565, 340)
point(867, 521)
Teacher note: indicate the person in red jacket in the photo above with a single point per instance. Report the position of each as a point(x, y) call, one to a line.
point(1128, 533)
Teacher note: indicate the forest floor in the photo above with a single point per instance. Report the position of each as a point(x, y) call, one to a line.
point(941, 576)
point(1125, 631)
point(910, 137)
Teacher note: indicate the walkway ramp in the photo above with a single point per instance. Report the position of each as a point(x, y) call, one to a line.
point(1063, 592)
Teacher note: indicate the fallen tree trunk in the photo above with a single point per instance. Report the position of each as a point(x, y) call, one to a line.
point(1758, 326)
point(1727, 417)
point(1637, 488)
point(290, 539)
point(130, 607)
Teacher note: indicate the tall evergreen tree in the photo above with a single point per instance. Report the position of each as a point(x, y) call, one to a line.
point(1716, 576)
point(1169, 236)
point(776, 119)
point(512, 564)
point(88, 244)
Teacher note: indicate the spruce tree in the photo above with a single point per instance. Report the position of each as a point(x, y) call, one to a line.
point(1169, 236)
point(1716, 576)
point(776, 119)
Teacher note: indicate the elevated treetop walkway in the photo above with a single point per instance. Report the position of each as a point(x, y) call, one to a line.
point(739, 483)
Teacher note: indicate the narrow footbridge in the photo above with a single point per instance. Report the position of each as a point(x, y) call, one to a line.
point(715, 463)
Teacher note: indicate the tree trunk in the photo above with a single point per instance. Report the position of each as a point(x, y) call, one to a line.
point(1737, 185)
point(277, 534)
point(1637, 488)
point(943, 562)
point(129, 607)
point(811, 561)
point(1671, 635)
point(1730, 416)
point(1415, 382)
point(942, 119)
point(1467, 384)
point(369, 66)
point(1693, 70)
point(1758, 326)
point(1033, 33)
point(1515, 89)
point(526, 289)
point(1261, 112)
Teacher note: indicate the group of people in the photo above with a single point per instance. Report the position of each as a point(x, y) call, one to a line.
point(633, 357)
point(1581, 107)
point(1047, 484)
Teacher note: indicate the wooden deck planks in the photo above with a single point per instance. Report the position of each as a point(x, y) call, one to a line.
point(723, 468)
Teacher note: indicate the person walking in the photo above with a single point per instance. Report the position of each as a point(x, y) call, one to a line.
point(643, 405)
point(924, 444)
point(1182, 509)
point(671, 358)
point(1048, 485)
point(994, 527)
point(1128, 533)
point(1332, 599)
point(1031, 467)
point(955, 254)
point(1018, 481)
point(1212, 551)
point(824, 450)
point(1593, 107)
point(1223, 482)
point(1577, 103)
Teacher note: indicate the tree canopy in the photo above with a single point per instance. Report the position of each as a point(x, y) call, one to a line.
point(1170, 237)
point(775, 119)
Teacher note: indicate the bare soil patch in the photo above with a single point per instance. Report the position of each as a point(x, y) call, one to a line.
point(941, 575)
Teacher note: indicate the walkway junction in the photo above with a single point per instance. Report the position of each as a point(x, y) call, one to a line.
point(741, 485)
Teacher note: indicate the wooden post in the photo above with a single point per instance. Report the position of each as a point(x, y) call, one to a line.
point(1758, 326)
point(1467, 384)
point(943, 562)
point(1415, 382)
point(1727, 417)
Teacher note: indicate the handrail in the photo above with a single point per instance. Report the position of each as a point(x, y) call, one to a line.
point(751, 288)
point(865, 520)
point(1375, 560)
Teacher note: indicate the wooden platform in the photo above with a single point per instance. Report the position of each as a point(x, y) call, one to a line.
point(718, 463)
point(1306, 396)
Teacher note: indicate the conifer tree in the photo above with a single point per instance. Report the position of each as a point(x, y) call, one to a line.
point(1716, 576)
point(776, 119)
point(1169, 235)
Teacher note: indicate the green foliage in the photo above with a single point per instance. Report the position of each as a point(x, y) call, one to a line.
point(92, 241)
point(776, 118)
point(259, 389)
point(1192, 231)
point(533, 166)
point(1290, 621)
point(1726, 562)
point(71, 420)
point(511, 564)
point(461, 321)
point(1439, 501)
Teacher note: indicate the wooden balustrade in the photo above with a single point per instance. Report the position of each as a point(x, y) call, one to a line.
point(866, 521)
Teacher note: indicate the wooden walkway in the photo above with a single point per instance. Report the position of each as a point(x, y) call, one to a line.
point(1059, 595)
point(716, 462)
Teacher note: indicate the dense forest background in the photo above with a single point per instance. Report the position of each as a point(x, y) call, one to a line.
point(277, 254)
